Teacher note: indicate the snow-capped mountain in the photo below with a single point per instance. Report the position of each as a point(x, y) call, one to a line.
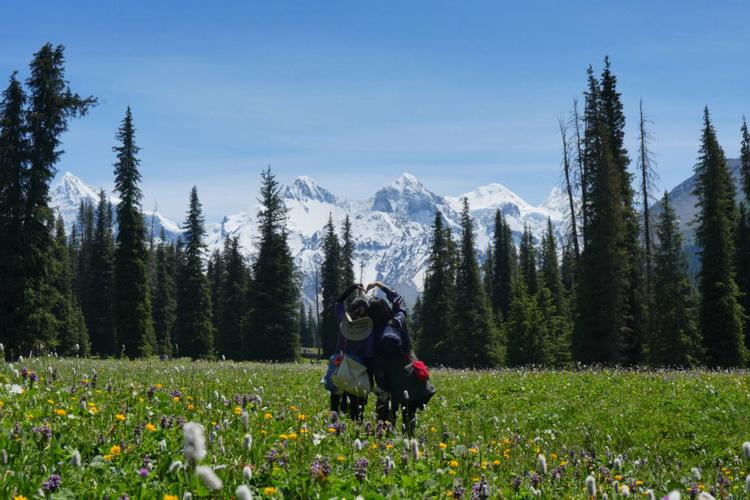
point(391, 230)
point(67, 193)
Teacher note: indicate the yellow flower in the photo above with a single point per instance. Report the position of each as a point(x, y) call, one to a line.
point(331, 430)
point(269, 490)
point(50, 401)
point(115, 450)
point(283, 436)
point(474, 450)
point(301, 417)
point(453, 463)
point(176, 399)
point(189, 398)
point(190, 407)
point(639, 483)
point(170, 497)
point(150, 427)
point(389, 446)
point(433, 429)
point(303, 429)
point(374, 446)
point(553, 456)
point(506, 453)
point(237, 411)
point(120, 417)
point(496, 462)
point(20, 497)
point(443, 446)
point(340, 458)
point(618, 477)
point(268, 416)
point(159, 386)
point(452, 472)
point(2, 403)
point(293, 408)
point(107, 458)
point(293, 436)
point(60, 412)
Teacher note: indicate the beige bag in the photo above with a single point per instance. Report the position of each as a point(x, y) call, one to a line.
point(351, 377)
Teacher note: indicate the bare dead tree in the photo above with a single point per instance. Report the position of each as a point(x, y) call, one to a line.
point(581, 164)
point(569, 186)
point(648, 181)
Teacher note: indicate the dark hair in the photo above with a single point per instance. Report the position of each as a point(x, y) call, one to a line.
point(380, 312)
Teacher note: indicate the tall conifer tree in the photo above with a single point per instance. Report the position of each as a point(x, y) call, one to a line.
point(101, 319)
point(742, 260)
point(331, 287)
point(720, 315)
point(232, 308)
point(527, 261)
point(502, 272)
point(132, 303)
point(193, 325)
point(165, 297)
point(347, 256)
point(674, 340)
point(275, 291)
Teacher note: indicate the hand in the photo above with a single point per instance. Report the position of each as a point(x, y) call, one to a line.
point(373, 285)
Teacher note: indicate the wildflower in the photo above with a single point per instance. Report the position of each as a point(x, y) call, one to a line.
point(150, 427)
point(107, 458)
point(591, 486)
point(388, 465)
point(143, 472)
point(696, 472)
point(247, 473)
point(208, 477)
point(245, 418)
point(358, 445)
point(442, 446)
point(340, 458)
point(705, 496)
point(414, 448)
point(163, 445)
point(650, 495)
point(170, 497)
point(187, 496)
point(19, 497)
point(747, 484)
point(269, 491)
point(746, 450)
point(453, 463)
point(120, 417)
point(541, 464)
point(243, 493)
point(536, 479)
point(360, 469)
point(247, 442)
point(175, 466)
point(75, 459)
point(237, 411)
point(195, 442)
point(52, 484)
point(480, 490)
point(60, 412)
point(617, 464)
point(624, 490)
point(267, 416)
point(301, 417)
point(115, 450)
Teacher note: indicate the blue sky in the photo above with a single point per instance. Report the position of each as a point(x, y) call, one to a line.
point(353, 93)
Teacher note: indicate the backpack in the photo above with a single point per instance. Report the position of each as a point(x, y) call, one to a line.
point(351, 376)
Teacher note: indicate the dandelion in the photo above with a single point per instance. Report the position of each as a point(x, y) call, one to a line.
point(247, 442)
point(247, 473)
point(150, 427)
point(243, 493)
point(175, 466)
point(267, 416)
point(120, 417)
point(75, 459)
point(541, 464)
point(591, 485)
point(60, 412)
point(195, 442)
point(746, 450)
point(269, 491)
point(115, 450)
point(208, 477)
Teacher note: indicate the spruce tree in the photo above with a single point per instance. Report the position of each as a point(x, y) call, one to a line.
point(488, 276)
point(101, 283)
point(527, 261)
point(216, 272)
point(51, 105)
point(165, 297)
point(331, 286)
point(745, 159)
point(720, 315)
point(193, 325)
point(14, 156)
point(742, 259)
point(275, 291)
point(232, 308)
point(436, 325)
point(304, 327)
point(550, 270)
point(71, 336)
point(347, 257)
point(81, 248)
point(674, 340)
point(475, 340)
point(502, 272)
point(132, 303)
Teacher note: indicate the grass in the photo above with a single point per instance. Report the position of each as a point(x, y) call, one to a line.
point(125, 418)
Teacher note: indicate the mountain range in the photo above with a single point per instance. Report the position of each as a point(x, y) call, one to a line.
point(391, 229)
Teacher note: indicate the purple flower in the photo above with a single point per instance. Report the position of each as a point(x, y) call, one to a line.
point(458, 490)
point(360, 468)
point(24, 372)
point(480, 490)
point(535, 480)
point(52, 484)
point(515, 482)
point(143, 472)
point(320, 468)
point(151, 392)
point(33, 377)
point(175, 394)
point(693, 491)
point(44, 429)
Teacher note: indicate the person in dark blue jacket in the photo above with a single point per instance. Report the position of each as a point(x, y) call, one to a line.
point(400, 386)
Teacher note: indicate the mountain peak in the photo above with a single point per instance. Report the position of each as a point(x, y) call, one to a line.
point(406, 181)
point(304, 188)
point(493, 195)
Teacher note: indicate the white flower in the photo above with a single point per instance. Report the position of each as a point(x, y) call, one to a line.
point(208, 477)
point(358, 445)
point(317, 438)
point(696, 472)
point(747, 484)
point(650, 495)
point(541, 464)
point(247, 442)
point(674, 495)
point(245, 418)
point(625, 490)
point(75, 460)
point(4, 456)
point(243, 493)
point(195, 442)
point(535, 492)
point(746, 450)
point(591, 485)
point(414, 448)
point(705, 496)
point(163, 445)
point(175, 466)
point(247, 473)
point(618, 464)
point(187, 496)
